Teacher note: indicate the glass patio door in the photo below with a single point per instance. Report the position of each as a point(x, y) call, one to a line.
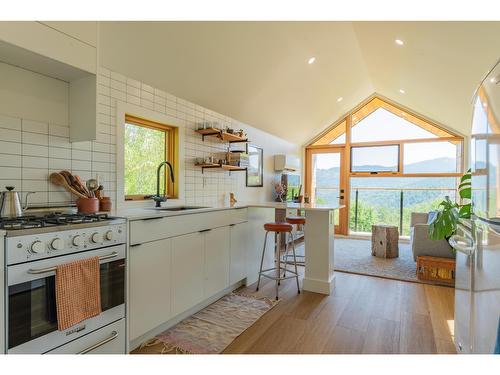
point(325, 181)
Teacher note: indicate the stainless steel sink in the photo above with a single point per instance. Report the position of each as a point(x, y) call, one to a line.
point(177, 208)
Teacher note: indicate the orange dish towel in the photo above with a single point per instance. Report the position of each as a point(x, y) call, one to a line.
point(78, 292)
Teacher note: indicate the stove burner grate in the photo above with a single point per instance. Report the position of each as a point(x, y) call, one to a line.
point(53, 219)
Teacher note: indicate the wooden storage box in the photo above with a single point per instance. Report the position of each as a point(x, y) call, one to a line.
point(436, 269)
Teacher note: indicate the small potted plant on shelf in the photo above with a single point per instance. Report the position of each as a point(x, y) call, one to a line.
point(444, 223)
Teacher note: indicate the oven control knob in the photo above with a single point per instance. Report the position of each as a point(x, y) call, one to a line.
point(109, 235)
point(37, 247)
point(57, 244)
point(78, 241)
point(96, 238)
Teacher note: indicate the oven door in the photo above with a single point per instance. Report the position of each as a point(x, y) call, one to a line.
point(31, 301)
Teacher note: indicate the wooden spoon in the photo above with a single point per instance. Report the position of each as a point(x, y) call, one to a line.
point(58, 179)
point(73, 183)
point(82, 186)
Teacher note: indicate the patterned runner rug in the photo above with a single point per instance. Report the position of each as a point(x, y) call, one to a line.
point(210, 330)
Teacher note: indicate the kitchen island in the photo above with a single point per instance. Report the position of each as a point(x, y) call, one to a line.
point(319, 241)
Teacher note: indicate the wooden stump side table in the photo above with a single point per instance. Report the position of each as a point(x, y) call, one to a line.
point(385, 241)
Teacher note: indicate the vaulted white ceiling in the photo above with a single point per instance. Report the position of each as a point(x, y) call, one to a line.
point(257, 72)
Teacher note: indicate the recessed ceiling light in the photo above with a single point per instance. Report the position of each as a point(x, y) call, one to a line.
point(492, 79)
point(311, 60)
point(340, 99)
point(399, 42)
point(401, 91)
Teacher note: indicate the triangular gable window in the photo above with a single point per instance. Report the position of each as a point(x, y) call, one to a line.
point(379, 120)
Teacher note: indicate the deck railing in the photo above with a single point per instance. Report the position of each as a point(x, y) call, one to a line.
point(395, 202)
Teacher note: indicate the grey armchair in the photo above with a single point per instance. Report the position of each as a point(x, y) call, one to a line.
point(420, 242)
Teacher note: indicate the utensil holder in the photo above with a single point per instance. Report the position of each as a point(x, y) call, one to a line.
point(87, 205)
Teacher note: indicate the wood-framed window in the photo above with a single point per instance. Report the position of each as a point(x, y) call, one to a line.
point(386, 148)
point(146, 144)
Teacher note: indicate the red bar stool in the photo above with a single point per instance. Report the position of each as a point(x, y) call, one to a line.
point(296, 220)
point(278, 228)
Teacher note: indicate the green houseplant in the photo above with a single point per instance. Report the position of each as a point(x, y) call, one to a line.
point(444, 223)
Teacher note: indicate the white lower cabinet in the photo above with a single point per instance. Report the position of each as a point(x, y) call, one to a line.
point(170, 276)
point(216, 255)
point(187, 271)
point(150, 299)
point(238, 252)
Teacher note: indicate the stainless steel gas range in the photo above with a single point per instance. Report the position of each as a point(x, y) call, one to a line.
point(34, 246)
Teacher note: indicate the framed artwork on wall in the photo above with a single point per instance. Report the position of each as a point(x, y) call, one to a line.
point(255, 170)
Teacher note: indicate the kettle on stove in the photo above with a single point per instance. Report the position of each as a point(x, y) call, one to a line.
point(10, 203)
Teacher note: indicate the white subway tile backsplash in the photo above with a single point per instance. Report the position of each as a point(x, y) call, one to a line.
point(133, 82)
point(85, 145)
point(59, 130)
point(81, 155)
point(81, 165)
point(104, 99)
point(10, 135)
point(60, 153)
point(55, 141)
point(34, 185)
point(60, 164)
point(100, 156)
point(118, 77)
point(101, 147)
point(10, 172)
point(35, 150)
point(30, 150)
point(35, 139)
point(147, 88)
point(117, 85)
point(35, 162)
point(35, 174)
point(8, 160)
point(60, 197)
point(10, 147)
point(116, 94)
point(132, 99)
point(35, 126)
point(40, 197)
point(8, 122)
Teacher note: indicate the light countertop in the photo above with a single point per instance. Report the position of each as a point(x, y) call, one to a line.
point(151, 212)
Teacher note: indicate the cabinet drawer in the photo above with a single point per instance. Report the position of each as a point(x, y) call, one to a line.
point(164, 227)
point(106, 340)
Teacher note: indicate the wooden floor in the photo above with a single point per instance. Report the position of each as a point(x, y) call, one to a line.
point(364, 315)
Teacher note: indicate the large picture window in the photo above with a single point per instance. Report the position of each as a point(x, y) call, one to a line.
point(395, 162)
point(146, 145)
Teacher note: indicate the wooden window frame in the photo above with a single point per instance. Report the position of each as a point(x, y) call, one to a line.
point(442, 135)
point(171, 154)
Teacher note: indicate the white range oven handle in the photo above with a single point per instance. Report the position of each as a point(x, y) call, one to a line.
point(114, 254)
point(462, 244)
point(40, 269)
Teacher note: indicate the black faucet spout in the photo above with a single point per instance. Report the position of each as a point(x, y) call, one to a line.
point(158, 198)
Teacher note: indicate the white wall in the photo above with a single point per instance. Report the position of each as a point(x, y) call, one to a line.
point(34, 138)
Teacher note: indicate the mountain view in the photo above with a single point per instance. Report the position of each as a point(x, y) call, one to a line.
point(377, 204)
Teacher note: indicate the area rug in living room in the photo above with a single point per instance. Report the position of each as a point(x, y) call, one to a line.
point(210, 330)
point(354, 256)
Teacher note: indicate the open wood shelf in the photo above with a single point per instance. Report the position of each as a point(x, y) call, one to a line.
point(221, 135)
point(225, 167)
